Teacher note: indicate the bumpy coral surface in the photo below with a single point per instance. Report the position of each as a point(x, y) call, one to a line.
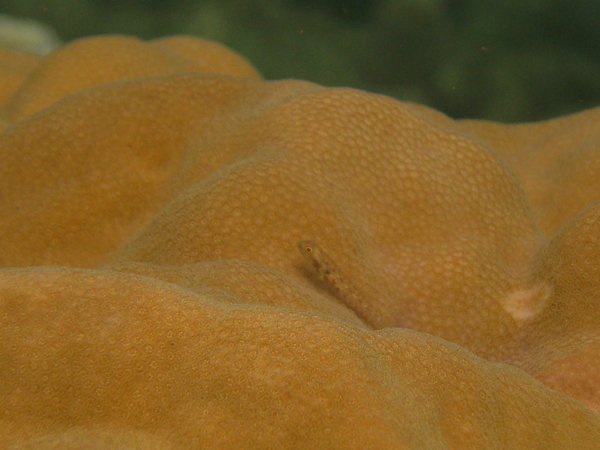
point(194, 257)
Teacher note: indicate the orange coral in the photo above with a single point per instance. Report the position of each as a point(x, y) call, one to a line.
point(154, 196)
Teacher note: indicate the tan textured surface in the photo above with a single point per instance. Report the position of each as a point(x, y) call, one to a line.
point(197, 258)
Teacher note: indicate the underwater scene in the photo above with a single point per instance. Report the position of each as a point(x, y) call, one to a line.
point(299, 224)
point(510, 61)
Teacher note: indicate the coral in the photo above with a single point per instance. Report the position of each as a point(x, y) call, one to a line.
point(194, 257)
point(27, 35)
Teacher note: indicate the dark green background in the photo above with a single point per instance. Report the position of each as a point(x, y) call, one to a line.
point(510, 60)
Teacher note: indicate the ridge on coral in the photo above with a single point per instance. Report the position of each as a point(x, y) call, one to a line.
point(195, 257)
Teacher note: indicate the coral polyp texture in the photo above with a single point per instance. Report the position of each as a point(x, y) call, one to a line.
point(194, 257)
